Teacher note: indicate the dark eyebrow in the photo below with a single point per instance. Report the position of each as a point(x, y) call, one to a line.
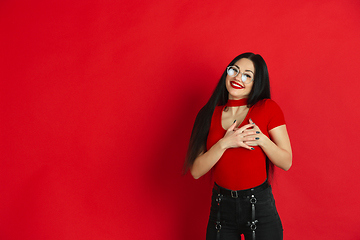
point(245, 70)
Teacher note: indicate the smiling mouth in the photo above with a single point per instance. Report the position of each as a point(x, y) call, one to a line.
point(236, 85)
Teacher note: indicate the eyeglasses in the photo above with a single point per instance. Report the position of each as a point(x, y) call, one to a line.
point(233, 71)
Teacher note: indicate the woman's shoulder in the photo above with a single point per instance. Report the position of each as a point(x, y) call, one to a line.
point(269, 111)
point(218, 109)
point(267, 103)
point(268, 106)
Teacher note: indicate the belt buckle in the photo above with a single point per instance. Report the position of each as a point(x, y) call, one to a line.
point(234, 194)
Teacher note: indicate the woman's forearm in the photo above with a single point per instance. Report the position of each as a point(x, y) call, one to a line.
point(278, 148)
point(281, 158)
point(205, 161)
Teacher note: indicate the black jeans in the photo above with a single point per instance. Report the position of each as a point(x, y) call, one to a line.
point(249, 212)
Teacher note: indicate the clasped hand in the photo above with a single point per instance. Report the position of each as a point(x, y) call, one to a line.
point(247, 136)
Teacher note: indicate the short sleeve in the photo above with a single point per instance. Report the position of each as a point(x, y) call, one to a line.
point(276, 115)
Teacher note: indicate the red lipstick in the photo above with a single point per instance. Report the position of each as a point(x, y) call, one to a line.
point(236, 85)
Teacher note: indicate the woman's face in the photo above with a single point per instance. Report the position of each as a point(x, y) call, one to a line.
point(240, 86)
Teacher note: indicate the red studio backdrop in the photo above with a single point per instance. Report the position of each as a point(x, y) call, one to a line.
point(98, 99)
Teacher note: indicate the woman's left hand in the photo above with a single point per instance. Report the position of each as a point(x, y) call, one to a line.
point(257, 139)
point(277, 149)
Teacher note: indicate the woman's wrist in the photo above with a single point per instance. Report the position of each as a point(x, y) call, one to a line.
point(264, 141)
point(222, 144)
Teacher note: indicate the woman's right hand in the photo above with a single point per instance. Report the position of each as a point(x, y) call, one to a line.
point(236, 137)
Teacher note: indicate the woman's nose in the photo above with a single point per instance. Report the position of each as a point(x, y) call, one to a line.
point(239, 76)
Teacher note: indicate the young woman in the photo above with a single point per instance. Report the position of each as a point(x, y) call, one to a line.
point(240, 134)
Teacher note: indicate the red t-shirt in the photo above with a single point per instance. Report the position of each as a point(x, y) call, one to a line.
point(240, 168)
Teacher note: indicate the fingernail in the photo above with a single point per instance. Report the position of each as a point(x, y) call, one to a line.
point(257, 138)
point(257, 132)
point(252, 148)
point(234, 121)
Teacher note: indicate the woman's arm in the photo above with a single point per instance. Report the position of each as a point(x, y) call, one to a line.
point(278, 148)
point(233, 138)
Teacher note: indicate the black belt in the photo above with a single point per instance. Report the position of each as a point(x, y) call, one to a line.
point(241, 193)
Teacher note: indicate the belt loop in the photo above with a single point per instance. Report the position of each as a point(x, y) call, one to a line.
point(234, 194)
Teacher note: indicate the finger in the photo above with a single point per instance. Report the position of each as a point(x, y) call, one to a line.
point(251, 143)
point(254, 126)
point(251, 138)
point(232, 127)
point(247, 146)
point(245, 127)
point(250, 132)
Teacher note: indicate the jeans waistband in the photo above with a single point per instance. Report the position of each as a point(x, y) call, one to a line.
point(241, 193)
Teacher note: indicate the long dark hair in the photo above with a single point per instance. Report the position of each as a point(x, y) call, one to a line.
point(200, 131)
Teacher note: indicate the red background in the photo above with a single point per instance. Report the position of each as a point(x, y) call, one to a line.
point(98, 99)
